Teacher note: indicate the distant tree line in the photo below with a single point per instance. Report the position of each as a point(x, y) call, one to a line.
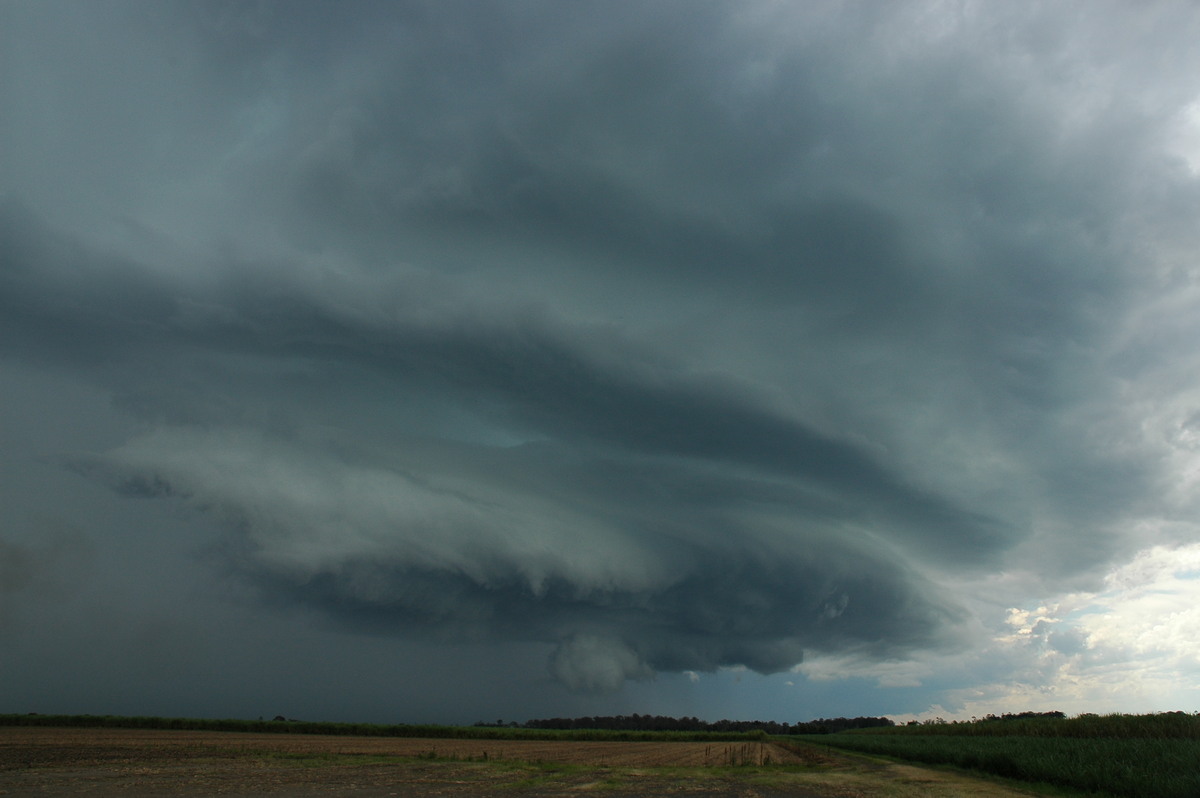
point(1024, 715)
point(1053, 715)
point(637, 722)
point(489, 731)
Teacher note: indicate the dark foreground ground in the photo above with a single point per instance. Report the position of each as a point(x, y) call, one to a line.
point(105, 763)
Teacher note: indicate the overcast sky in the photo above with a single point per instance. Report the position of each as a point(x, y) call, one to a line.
point(452, 361)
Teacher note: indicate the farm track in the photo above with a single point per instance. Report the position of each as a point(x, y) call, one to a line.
point(106, 763)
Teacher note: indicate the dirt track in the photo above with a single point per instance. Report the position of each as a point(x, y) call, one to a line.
point(106, 763)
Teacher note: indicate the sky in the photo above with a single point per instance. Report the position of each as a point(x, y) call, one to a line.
point(455, 361)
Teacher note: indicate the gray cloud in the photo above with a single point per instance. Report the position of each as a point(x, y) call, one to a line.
point(670, 336)
point(594, 664)
point(589, 530)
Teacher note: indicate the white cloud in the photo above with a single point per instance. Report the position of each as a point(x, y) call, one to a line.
point(1131, 646)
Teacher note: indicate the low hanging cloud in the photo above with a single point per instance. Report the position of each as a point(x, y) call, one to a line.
point(468, 554)
point(587, 663)
point(530, 480)
point(672, 337)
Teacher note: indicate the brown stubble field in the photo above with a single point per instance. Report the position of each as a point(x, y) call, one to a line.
point(105, 763)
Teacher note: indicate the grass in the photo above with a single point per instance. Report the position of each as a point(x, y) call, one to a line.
point(1131, 756)
point(493, 775)
point(316, 760)
point(542, 774)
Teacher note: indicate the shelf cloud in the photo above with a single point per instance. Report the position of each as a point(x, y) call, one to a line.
point(654, 338)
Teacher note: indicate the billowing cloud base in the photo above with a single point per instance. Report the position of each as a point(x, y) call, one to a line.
point(455, 548)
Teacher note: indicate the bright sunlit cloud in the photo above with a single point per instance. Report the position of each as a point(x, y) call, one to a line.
point(1131, 646)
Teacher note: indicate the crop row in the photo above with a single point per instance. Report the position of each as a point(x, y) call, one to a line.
point(1162, 725)
point(1126, 767)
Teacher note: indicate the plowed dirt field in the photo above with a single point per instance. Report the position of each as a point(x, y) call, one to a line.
point(39, 746)
point(106, 763)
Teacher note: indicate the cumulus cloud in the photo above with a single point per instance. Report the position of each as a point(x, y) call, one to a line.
point(1128, 644)
point(1140, 629)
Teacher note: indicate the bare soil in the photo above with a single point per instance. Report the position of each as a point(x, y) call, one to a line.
point(105, 763)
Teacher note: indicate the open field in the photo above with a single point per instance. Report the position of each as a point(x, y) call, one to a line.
point(45, 744)
point(109, 762)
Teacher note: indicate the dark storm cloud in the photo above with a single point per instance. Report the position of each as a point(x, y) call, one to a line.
point(627, 461)
point(676, 335)
point(522, 375)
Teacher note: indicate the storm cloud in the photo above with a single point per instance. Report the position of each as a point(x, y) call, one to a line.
point(664, 337)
